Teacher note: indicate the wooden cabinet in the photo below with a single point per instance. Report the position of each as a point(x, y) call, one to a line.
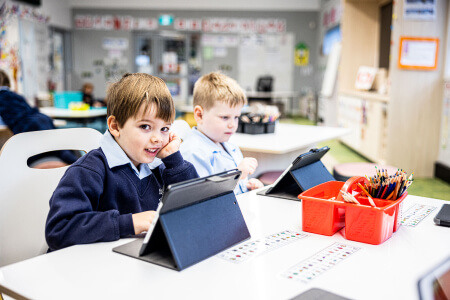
point(366, 116)
point(401, 128)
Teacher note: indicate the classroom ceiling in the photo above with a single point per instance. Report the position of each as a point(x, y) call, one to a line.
point(250, 5)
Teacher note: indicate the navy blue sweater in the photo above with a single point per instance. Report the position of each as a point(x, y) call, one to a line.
point(20, 117)
point(93, 203)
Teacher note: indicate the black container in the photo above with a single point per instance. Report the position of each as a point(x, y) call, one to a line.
point(269, 127)
point(254, 128)
point(240, 128)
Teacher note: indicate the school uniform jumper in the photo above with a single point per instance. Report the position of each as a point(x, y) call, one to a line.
point(97, 195)
point(20, 117)
point(209, 158)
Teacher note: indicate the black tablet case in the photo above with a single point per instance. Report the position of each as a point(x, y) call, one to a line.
point(443, 216)
point(304, 173)
point(199, 218)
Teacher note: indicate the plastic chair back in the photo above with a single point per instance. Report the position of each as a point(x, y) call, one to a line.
point(25, 192)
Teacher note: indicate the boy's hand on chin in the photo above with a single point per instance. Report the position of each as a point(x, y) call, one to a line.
point(171, 147)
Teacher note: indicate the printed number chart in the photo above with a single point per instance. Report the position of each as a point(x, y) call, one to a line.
point(252, 248)
point(319, 263)
point(415, 214)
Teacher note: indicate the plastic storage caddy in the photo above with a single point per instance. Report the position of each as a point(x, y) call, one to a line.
point(62, 99)
point(363, 223)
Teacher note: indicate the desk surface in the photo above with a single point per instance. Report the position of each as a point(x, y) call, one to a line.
point(287, 138)
point(386, 271)
point(63, 113)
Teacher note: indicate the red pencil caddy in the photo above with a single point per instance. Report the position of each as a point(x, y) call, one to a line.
point(362, 223)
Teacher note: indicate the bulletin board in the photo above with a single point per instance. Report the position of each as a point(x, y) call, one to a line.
point(418, 53)
point(9, 49)
point(260, 55)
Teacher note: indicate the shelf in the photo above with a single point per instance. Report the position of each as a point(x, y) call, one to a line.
point(366, 95)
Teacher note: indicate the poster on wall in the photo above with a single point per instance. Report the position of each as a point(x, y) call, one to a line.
point(418, 53)
point(301, 54)
point(423, 10)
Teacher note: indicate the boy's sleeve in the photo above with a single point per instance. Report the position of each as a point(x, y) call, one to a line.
point(73, 218)
point(241, 187)
point(176, 169)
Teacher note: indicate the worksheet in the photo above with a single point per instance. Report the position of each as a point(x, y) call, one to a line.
point(255, 247)
point(416, 213)
point(319, 263)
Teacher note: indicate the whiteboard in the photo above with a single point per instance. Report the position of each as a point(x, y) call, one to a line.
point(265, 54)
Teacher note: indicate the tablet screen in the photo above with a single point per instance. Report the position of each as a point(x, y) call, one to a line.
point(152, 226)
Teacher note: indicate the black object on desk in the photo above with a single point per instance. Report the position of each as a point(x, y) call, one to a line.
point(304, 173)
point(443, 216)
point(198, 218)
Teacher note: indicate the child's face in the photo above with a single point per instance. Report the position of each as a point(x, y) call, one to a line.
point(142, 136)
point(88, 90)
point(219, 122)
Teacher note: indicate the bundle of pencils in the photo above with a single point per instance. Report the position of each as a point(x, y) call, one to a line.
point(383, 186)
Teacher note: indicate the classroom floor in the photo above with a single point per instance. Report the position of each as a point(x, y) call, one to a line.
point(339, 153)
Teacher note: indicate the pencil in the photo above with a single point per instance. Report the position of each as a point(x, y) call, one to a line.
point(367, 194)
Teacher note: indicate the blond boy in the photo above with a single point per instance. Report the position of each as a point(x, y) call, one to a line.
point(111, 192)
point(218, 101)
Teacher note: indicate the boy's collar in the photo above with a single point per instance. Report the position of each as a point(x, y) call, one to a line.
point(226, 146)
point(205, 137)
point(115, 156)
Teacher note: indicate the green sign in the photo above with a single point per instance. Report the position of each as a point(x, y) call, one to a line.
point(165, 20)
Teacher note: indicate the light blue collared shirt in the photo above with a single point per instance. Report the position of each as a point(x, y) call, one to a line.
point(209, 158)
point(117, 157)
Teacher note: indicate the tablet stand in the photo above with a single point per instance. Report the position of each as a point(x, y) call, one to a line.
point(304, 173)
point(190, 234)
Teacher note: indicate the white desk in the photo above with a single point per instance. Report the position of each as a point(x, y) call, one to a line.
point(276, 151)
point(386, 271)
point(79, 116)
point(62, 113)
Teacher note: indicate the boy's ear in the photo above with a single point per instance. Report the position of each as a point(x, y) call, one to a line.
point(113, 126)
point(198, 113)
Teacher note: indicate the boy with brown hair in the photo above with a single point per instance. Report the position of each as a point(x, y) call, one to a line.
point(111, 192)
point(218, 101)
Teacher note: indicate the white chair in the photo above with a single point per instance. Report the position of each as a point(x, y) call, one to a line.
point(25, 192)
point(181, 128)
